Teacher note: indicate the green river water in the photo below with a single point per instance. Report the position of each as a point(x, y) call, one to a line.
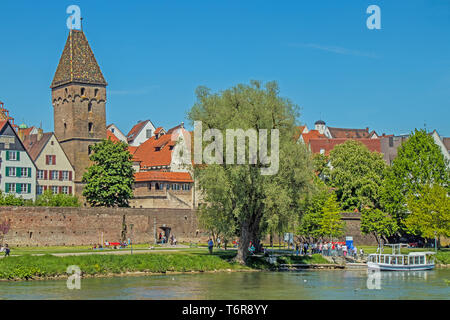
point(308, 284)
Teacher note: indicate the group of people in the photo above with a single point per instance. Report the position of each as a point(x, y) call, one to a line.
point(163, 239)
point(108, 244)
point(5, 249)
point(328, 249)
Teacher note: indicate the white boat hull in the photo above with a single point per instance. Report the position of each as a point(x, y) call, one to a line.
point(390, 267)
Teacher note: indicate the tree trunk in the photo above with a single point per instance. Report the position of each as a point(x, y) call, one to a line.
point(249, 232)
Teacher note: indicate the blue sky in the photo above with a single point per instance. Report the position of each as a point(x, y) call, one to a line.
point(154, 54)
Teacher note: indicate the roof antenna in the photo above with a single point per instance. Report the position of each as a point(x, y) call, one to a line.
point(81, 20)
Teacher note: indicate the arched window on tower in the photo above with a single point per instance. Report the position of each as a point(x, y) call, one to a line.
point(96, 92)
point(90, 127)
point(82, 91)
point(90, 106)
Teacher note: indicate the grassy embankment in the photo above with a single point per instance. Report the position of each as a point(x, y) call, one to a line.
point(48, 266)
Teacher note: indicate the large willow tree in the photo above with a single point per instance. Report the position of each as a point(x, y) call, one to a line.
point(251, 202)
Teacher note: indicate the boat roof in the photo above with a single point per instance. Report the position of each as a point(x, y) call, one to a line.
point(419, 253)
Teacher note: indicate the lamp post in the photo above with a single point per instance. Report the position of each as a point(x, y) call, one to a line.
point(131, 237)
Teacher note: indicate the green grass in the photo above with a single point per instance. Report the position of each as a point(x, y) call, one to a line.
point(29, 267)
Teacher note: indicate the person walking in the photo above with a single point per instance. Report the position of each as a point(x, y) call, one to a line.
point(7, 250)
point(210, 245)
point(218, 242)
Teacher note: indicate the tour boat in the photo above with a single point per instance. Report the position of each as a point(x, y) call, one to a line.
point(401, 262)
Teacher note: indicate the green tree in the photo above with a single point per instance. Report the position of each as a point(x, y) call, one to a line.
point(331, 223)
point(312, 210)
point(110, 178)
point(378, 223)
point(321, 167)
point(255, 201)
point(357, 174)
point(419, 162)
point(430, 212)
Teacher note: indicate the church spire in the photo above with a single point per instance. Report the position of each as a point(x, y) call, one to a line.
point(77, 63)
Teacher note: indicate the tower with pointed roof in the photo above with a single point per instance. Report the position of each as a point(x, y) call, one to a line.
point(79, 103)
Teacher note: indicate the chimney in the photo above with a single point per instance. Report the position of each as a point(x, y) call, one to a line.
point(40, 134)
point(367, 129)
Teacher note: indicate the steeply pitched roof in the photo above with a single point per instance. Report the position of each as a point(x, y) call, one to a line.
point(298, 132)
point(328, 144)
point(350, 133)
point(135, 130)
point(111, 136)
point(35, 146)
point(77, 63)
point(312, 134)
point(164, 176)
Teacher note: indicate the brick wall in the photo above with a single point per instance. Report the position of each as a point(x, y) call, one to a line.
point(42, 226)
point(50, 226)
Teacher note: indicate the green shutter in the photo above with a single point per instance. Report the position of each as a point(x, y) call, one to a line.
point(18, 187)
point(18, 156)
point(18, 172)
point(7, 172)
point(29, 188)
point(7, 187)
point(29, 172)
point(7, 155)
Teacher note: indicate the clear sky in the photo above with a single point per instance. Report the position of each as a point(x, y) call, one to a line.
point(154, 54)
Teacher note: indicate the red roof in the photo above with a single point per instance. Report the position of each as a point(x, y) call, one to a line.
point(350, 133)
point(298, 132)
point(328, 144)
point(312, 134)
point(135, 130)
point(111, 136)
point(163, 176)
point(158, 130)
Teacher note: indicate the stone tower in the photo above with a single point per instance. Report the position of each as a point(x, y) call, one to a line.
point(78, 98)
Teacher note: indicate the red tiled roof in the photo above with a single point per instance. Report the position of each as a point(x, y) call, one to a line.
point(328, 144)
point(312, 134)
point(298, 132)
point(2, 124)
point(111, 136)
point(135, 130)
point(158, 130)
point(350, 133)
point(163, 176)
point(35, 146)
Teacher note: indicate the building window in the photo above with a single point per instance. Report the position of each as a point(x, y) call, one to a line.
point(322, 151)
point(90, 127)
point(24, 172)
point(150, 186)
point(11, 172)
point(40, 174)
point(24, 188)
point(55, 189)
point(186, 186)
point(112, 130)
point(149, 133)
point(50, 160)
point(65, 175)
point(65, 190)
point(11, 187)
point(40, 189)
point(89, 107)
point(53, 175)
point(96, 92)
point(12, 155)
point(82, 91)
point(175, 186)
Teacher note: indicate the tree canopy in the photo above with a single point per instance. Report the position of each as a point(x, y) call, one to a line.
point(378, 223)
point(430, 212)
point(357, 174)
point(109, 179)
point(419, 162)
point(257, 203)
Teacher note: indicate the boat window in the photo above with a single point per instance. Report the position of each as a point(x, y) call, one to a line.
point(405, 261)
point(411, 260)
point(393, 260)
point(399, 260)
point(382, 259)
point(387, 260)
point(422, 260)
point(416, 260)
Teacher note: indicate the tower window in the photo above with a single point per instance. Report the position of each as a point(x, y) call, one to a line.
point(90, 126)
point(96, 92)
point(82, 91)
point(65, 91)
point(90, 107)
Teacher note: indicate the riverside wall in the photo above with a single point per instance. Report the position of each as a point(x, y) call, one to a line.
point(57, 226)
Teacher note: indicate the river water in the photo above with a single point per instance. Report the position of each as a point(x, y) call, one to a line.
point(307, 284)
